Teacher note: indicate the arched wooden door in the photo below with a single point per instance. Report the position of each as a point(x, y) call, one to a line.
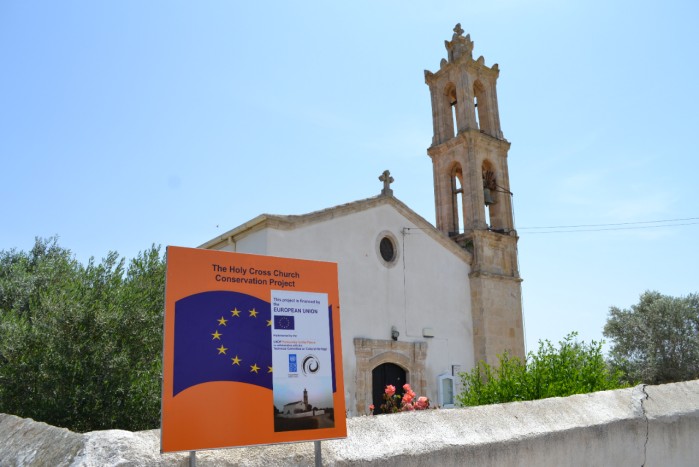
point(382, 375)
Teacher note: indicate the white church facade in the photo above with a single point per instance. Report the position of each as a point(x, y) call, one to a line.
point(419, 303)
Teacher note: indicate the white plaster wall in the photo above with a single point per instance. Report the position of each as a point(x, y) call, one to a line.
point(254, 243)
point(427, 286)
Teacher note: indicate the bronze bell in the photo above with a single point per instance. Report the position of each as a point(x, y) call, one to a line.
point(487, 197)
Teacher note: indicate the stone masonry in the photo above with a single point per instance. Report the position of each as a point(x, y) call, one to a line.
point(472, 193)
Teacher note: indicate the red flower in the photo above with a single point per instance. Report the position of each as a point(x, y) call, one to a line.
point(390, 390)
point(422, 403)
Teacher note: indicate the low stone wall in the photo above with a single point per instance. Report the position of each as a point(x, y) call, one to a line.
point(645, 425)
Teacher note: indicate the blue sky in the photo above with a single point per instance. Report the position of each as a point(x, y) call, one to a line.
point(128, 123)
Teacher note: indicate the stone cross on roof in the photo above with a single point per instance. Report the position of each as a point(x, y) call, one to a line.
point(387, 180)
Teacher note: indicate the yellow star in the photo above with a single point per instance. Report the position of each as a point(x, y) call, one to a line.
point(236, 360)
point(253, 313)
point(217, 335)
point(269, 369)
point(269, 322)
point(222, 350)
point(254, 368)
point(235, 312)
point(222, 321)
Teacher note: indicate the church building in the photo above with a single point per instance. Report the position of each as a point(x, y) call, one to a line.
point(420, 302)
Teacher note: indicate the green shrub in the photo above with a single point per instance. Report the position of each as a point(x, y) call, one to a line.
point(573, 368)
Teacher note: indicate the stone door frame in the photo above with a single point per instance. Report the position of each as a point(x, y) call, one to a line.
point(370, 353)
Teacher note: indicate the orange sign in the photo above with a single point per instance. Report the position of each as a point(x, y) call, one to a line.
point(252, 351)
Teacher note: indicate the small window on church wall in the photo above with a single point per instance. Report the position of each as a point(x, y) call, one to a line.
point(387, 249)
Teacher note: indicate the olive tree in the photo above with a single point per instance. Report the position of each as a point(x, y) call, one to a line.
point(656, 340)
point(80, 346)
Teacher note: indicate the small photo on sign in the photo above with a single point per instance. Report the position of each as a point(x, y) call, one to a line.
point(302, 404)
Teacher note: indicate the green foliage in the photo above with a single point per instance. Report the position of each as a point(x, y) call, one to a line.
point(80, 346)
point(657, 340)
point(573, 368)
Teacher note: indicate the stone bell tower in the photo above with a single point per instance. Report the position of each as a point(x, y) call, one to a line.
point(472, 193)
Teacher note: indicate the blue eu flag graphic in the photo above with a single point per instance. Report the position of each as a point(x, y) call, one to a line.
point(222, 336)
point(284, 322)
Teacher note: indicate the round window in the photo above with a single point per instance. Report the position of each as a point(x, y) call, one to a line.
point(387, 249)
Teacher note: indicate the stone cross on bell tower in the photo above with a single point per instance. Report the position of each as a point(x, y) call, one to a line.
point(473, 201)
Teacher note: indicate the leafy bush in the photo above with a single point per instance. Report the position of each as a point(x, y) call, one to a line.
point(573, 368)
point(81, 346)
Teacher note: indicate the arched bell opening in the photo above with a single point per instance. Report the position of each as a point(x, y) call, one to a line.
point(451, 103)
point(457, 200)
point(490, 193)
point(480, 106)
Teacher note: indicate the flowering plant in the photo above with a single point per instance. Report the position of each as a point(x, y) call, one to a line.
point(396, 403)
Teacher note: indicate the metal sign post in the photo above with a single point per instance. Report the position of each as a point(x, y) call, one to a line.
point(319, 458)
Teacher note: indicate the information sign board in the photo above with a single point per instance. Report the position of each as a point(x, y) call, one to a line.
point(252, 352)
